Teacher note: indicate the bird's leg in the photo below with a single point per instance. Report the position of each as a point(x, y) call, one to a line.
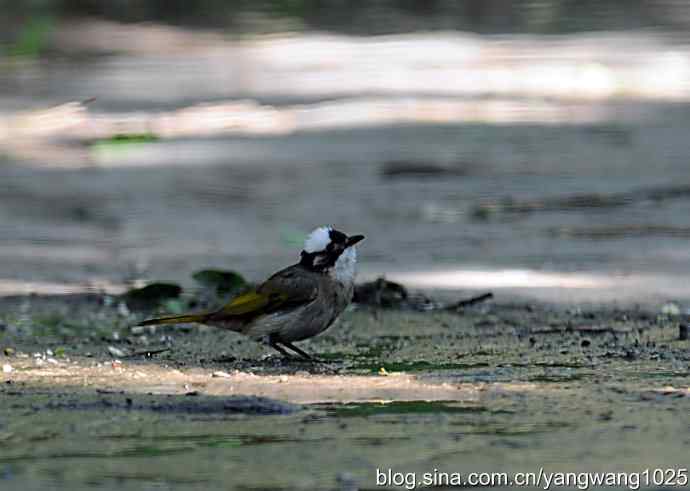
point(299, 351)
point(274, 344)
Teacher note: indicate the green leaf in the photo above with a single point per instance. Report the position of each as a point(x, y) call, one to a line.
point(33, 38)
point(152, 295)
point(222, 282)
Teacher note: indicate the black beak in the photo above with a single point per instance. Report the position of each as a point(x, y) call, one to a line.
point(353, 239)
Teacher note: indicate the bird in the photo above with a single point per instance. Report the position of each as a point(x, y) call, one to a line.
point(294, 304)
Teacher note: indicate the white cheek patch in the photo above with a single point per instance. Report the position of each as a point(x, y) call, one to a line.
point(318, 240)
point(346, 265)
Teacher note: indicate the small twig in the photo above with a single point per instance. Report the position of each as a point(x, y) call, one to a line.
point(109, 391)
point(147, 353)
point(469, 301)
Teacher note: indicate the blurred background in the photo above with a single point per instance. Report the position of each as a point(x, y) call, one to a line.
point(534, 147)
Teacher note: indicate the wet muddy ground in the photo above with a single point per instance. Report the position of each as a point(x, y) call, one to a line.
point(88, 401)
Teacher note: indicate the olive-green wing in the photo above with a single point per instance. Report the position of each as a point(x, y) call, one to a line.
point(247, 303)
point(290, 287)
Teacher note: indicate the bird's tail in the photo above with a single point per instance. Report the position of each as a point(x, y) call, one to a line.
point(175, 319)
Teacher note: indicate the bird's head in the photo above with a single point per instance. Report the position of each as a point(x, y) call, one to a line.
point(327, 248)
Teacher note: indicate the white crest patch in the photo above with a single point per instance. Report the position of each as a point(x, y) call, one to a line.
point(318, 240)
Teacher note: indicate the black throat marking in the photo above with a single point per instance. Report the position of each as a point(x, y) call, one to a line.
point(318, 261)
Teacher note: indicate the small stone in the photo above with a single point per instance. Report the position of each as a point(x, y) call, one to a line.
point(136, 330)
point(586, 342)
point(346, 482)
point(123, 310)
point(116, 352)
point(49, 352)
point(383, 372)
point(6, 368)
point(53, 361)
point(8, 351)
point(220, 374)
point(670, 309)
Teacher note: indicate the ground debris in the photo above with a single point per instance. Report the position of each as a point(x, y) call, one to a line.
point(620, 231)
point(417, 169)
point(181, 404)
point(488, 209)
point(389, 294)
point(469, 301)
